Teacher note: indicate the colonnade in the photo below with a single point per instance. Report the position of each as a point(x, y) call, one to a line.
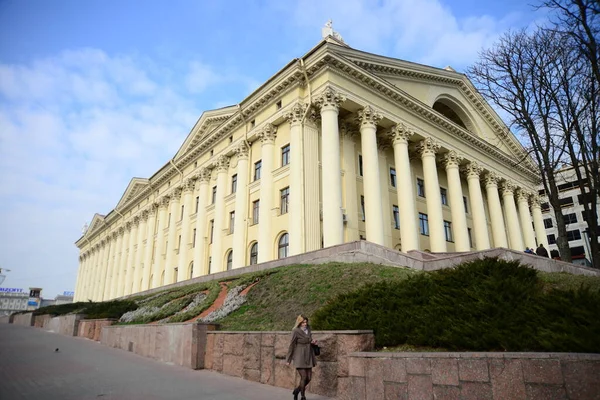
point(143, 252)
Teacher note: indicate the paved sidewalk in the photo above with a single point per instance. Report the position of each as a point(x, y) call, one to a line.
point(85, 370)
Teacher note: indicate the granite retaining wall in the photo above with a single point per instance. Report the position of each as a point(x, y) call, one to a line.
point(91, 328)
point(23, 319)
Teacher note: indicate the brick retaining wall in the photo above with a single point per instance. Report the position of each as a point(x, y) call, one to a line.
point(471, 376)
point(260, 357)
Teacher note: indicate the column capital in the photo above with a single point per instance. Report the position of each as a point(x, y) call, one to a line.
point(144, 215)
point(400, 133)
point(121, 230)
point(294, 117)
point(368, 117)
point(348, 130)
point(222, 164)
point(522, 195)
point(536, 202)
point(152, 209)
point(330, 98)
point(473, 170)
point(508, 188)
point(242, 150)
point(176, 193)
point(189, 184)
point(128, 226)
point(491, 179)
point(136, 220)
point(163, 202)
point(203, 175)
point(428, 147)
point(267, 134)
point(115, 235)
point(452, 159)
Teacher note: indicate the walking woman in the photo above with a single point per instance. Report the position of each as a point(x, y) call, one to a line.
point(301, 353)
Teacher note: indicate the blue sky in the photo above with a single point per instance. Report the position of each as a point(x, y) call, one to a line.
point(93, 92)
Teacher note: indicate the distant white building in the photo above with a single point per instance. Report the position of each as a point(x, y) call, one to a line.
point(573, 213)
point(13, 300)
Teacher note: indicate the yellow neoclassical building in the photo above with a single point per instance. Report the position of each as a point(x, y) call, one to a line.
point(340, 145)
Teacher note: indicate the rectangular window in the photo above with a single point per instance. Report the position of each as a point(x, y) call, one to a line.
point(234, 183)
point(573, 235)
point(212, 229)
point(257, 168)
point(179, 243)
point(545, 207)
point(197, 203)
point(393, 177)
point(466, 205)
point(285, 155)
point(396, 214)
point(231, 221)
point(285, 196)
point(551, 239)
point(214, 195)
point(255, 208)
point(470, 237)
point(444, 195)
point(169, 220)
point(194, 239)
point(182, 210)
point(423, 224)
point(362, 206)
point(570, 218)
point(548, 223)
point(566, 202)
point(420, 187)
point(448, 230)
point(360, 165)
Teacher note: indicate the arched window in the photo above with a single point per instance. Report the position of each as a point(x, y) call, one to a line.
point(191, 270)
point(229, 259)
point(254, 254)
point(284, 245)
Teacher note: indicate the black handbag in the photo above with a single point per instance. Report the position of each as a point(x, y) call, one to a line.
point(316, 349)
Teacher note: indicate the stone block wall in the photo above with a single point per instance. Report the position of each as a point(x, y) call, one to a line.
point(23, 319)
point(5, 319)
point(91, 328)
point(260, 357)
point(472, 376)
point(42, 321)
point(64, 324)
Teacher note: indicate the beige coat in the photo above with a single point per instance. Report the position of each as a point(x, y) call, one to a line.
point(300, 350)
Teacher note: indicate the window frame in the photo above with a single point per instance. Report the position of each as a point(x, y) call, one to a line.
point(285, 155)
point(444, 196)
point(257, 170)
point(393, 177)
point(421, 188)
point(448, 231)
point(254, 253)
point(285, 246)
point(284, 197)
point(231, 222)
point(255, 211)
point(396, 216)
point(423, 224)
point(234, 183)
point(229, 262)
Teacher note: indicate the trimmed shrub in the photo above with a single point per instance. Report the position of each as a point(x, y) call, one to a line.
point(484, 305)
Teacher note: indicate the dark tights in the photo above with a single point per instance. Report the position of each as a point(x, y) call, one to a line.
point(305, 377)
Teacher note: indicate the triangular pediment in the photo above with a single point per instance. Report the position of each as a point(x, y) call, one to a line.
point(136, 185)
point(208, 121)
point(96, 223)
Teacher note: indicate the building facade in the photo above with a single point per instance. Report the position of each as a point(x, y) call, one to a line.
point(340, 145)
point(574, 216)
point(12, 300)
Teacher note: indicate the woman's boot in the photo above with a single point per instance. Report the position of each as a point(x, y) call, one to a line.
point(295, 393)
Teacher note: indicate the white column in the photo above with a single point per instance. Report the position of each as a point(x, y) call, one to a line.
point(217, 255)
point(111, 285)
point(107, 263)
point(409, 233)
point(312, 220)
point(182, 262)
point(241, 207)
point(482, 237)
point(538, 221)
point(333, 229)
point(368, 119)
point(78, 279)
point(525, 217)
point(97, 283)
point(122, 266)
point(512, 219)
point(172, 237)
point(296, 180)
point(129, 263)
point(159, 261)
point(88, 286)
point(457, 207)
point(200, 264)
point(437, 238)
point(265, 239)
point(349, 133)
point(138, 263)
point(498, 228)
point(147, 265)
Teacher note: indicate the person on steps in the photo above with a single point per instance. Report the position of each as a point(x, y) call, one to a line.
point(541, 251)
point(301, 353)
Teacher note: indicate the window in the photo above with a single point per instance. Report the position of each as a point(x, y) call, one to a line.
point(229, 259)
point(573, 235)
point(257, 168)
point(197, 203)
point(548, 223)
point(234, 183)
point(570, 218)
point(466, 207)
point(212, 152)
point(360, 165)
point(448, 230)
point(214, 195)
point(169, 220)
point(393, 177)
point(420, 187)
point(278, 105)
point(362, 206)
point(212, 229)
point(284, 245)
point(285, 195)
point(179, 243)
point(231, 221)
point(444, 195)
point(423, 224)
point(551, 239)
point(209, 263)
point(285, 155)
point(566, 202)
point(545, 207)
point(254, 254)
point(231, 139)
point(182, 209)
point(194, 239)
point(470, 237)
point(255, 208)
point(396, 213)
